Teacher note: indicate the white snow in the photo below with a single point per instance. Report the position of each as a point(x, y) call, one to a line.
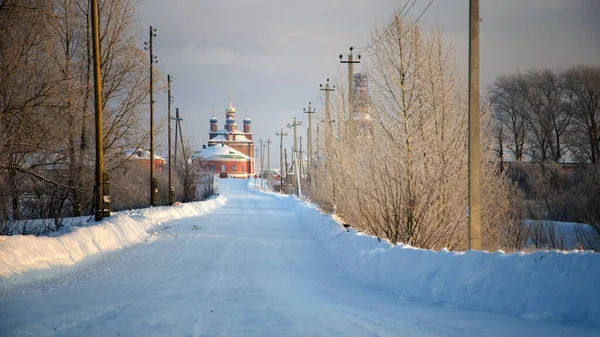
point(24, 258)
point(265, 265)
point(141, 154)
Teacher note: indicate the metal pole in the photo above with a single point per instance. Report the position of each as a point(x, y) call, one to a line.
point(474, 142)
point(98, 116)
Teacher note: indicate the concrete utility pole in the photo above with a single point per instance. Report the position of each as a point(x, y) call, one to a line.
point(300, 161)
point(170, 100)
point(310, 150)
point(350, 62)
point(328, 133)
point(262, 170)
point(294, 125)
point(99, 212)
point(180, 134)
point(177, 129)
point(317, 152)
point(281, 134)
point(474, 142)
point(269, 163)
point(286, 164)
point(153, 185)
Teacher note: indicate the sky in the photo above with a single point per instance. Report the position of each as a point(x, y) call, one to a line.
point(269, 56)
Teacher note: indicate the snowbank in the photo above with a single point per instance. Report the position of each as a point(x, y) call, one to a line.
point(545, 285)
point(28, 258)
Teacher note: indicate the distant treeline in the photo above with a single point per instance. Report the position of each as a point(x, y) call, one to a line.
point(546, 115)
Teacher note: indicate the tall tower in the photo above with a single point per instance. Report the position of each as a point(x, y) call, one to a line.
point(214, 124)
point(230, 118)
point(362, 116)
point(248, 127)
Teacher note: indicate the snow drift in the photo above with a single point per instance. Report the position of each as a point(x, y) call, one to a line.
point(543, 285)
point(25, 258)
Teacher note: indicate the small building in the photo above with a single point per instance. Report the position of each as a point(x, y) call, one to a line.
point(225, 161)
point(142, 157)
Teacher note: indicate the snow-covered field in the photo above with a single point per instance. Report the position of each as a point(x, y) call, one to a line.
point(257, 264)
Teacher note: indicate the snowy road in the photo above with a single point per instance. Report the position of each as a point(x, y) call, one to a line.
point(249, 269)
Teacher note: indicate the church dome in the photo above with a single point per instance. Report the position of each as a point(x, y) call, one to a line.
point(214, 119)
point(247, 120)
point(230, 120)
point(230, 110)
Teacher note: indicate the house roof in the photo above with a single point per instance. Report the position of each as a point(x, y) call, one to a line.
point(140, 154)
point(221, 136)
point(219, 152)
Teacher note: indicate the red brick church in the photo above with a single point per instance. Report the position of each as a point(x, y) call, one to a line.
point(230, 152)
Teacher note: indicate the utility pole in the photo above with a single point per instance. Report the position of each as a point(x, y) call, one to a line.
point(329, 134)
point(262, 171)
point(300, 161)
point(474, 210)
point(350, 62)
point(294, 125)
point(177, 129)
point(181, 135)
point(286, 163)
point(309, 147)
point(171, 188)
point(281, 134)
point(317, 144)
point(99, 213)
point(153, 184)
point(269, 163)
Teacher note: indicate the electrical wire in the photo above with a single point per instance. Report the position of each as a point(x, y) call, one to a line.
point(388, 29)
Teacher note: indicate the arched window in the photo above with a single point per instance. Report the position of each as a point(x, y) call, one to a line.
point(233, 167)
point(212, 167)
point(223, 168)
point(243, 168)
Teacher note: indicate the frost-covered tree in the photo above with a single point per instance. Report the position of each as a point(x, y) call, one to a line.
point(408, 181)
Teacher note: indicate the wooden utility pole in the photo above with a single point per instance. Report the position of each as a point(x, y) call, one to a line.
point(329, 134)
point(99, 211)
point(153, 187)
point(281, 134)
point(309, 147)
point(350, 62)
point(171, 188)
point(177, 130)
point(269, 163)
point(294, 125)
point(474, 142)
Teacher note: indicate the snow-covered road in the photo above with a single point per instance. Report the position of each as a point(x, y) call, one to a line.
point(251, 268)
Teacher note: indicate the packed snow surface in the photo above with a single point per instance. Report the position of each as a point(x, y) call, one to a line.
point(257, 264)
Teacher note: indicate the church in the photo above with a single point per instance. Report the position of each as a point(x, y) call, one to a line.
point(230, 152)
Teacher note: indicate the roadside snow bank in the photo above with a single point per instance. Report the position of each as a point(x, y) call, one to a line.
point(28, 258)
point(543, 285)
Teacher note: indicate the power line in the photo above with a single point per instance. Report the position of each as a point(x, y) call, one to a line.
point(388, 29)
